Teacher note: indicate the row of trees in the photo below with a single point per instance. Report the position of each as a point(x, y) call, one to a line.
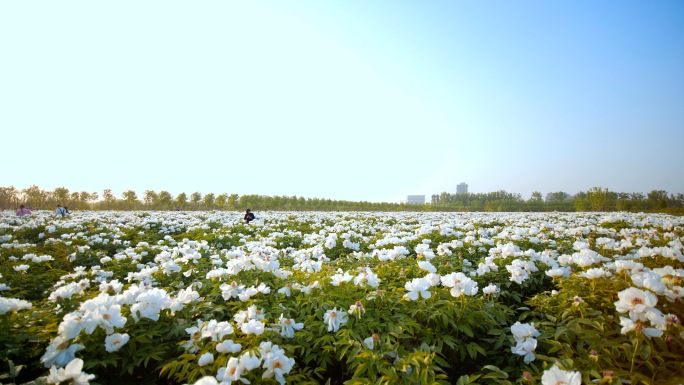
point(36, 198)
point(596, 199)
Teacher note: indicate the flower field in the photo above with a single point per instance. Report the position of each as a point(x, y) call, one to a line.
point(341, 298)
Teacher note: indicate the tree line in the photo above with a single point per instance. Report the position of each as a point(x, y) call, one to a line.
point(596, 199)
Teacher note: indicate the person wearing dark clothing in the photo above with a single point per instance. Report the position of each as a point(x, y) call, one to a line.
point(249, 216)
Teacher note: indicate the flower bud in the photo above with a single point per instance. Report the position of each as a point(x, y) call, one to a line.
point(607, 377)
point(527, 376)
point(593, 355)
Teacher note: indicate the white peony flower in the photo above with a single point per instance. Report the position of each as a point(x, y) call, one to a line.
point(526, 349)
point(628, 325)
point(72, 373)
point(417, 287)
point(60, 352)
point(233, 371)
point(207, 380)
point(277, 365)
point(334, 318)
point(556, 376)
point(522, 331)
point(491, 289)
point(636, 302)
point(115, 341)
point(228, 346)
point(288, 326)
point(252, 327)
point(13, 304)
point(427, 266)
point(205, 359)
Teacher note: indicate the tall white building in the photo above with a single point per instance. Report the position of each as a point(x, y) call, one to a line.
point(462, 188)
point(415, 199)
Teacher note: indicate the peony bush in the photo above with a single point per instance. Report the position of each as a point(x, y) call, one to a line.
point(342, 298)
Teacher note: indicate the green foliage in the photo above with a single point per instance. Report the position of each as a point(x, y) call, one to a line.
point(437, 340)
point(584, 333)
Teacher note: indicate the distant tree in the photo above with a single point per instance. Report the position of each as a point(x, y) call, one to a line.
point(637, 196)
point(558, 196)
point(658, 198)
point(221, 201)
point(182, 200)
point(195, 199)
point(75, 199)
point(232, 201)
point(475, 205)
point(87, 198)
point(535, 203)
point(109, 200)
point(130, 199)
point(444, 197)
point(208, 201)
point(622, 196)
point(150, 198)
point(164, 200)
point(9, 198)
point(657, 195)
point(245, 202)
point(33, 197)
point(598, 198)
point(107, 195)
point(622, 201)
point(60, 195)
point(277, 202)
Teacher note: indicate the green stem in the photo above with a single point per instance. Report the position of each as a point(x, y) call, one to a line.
point(636, 349)
point(460, 310)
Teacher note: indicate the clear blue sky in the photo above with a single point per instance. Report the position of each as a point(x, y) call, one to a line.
point(349, 100)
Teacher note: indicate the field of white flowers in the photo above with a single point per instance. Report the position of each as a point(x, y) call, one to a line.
point(341, 298)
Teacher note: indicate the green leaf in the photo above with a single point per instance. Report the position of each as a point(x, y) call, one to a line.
point(465, 328)
point(14, 371)
point(360, 370)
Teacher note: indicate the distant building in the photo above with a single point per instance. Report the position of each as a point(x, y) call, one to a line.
point(462, 188)
point(415, 199)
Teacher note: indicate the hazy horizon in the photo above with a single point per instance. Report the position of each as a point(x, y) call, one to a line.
point(428, 197)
